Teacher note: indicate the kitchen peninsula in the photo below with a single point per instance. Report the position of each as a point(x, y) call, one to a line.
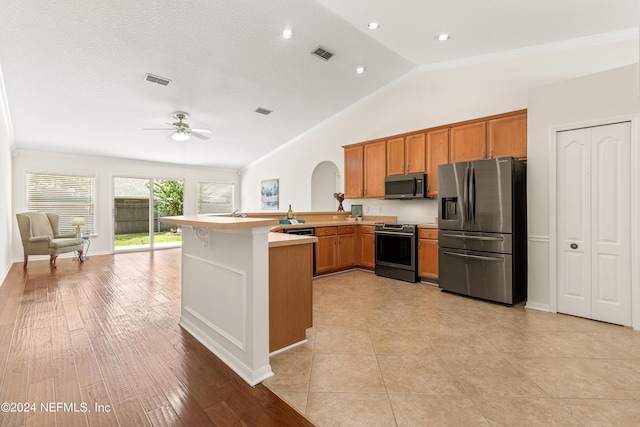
point(226, 289)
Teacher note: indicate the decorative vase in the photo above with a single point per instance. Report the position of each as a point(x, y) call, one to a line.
point(340, 198)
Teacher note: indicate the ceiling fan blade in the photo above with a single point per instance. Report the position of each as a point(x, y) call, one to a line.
point(159, 129)
point(202, 130)
point(197, 135)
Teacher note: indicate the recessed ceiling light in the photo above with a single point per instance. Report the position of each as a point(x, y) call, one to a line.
point(373, 26)
point(360, 70)
point(443, 37)
point(287, 34)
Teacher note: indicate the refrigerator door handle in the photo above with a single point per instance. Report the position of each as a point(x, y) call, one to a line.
point(472, 195)
point(457, 236)
point(478, 257)
point(465, 194)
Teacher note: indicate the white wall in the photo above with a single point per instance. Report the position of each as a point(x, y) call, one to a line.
point(420, 100)
point(595, 99)
point(105, 169)
point(6, 219)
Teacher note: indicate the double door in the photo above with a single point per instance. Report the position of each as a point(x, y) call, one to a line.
point(594, 223)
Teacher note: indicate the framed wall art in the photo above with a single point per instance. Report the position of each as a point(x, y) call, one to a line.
point(269, 191)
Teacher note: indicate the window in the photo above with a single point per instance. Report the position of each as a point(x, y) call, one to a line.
point(215, 197)
point(68, 196)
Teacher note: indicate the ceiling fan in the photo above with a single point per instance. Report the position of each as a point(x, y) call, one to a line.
point(181, 130)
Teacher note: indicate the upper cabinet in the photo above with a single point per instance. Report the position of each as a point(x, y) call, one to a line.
point(406, 154)
point(500, 136)
point(364, 170)
point(353, 172)
point(374, 169)
point(468, 142)
point(508, 136)
point(437, 154)
point(366, 164)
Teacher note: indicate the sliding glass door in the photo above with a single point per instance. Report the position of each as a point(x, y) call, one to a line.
point(137, 205)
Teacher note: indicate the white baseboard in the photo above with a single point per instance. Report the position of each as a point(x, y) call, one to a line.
point(537, 306)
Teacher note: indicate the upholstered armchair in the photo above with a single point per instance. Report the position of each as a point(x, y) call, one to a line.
point(40, 236)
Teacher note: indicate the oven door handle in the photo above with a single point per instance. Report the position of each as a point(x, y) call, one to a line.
point(482, 258)
point(393, 233)
point(491, 239)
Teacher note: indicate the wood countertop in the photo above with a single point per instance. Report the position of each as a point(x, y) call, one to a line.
point(280, 239)
point(219, 222)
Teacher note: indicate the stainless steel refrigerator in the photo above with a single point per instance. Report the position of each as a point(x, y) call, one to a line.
point(482, 229)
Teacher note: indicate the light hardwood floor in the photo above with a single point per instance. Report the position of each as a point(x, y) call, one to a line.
point(384, 352)
point(105, 334)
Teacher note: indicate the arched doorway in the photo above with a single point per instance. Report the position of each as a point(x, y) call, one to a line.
point(325, 180)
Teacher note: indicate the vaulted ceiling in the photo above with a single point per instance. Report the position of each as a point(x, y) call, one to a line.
point(74, 71)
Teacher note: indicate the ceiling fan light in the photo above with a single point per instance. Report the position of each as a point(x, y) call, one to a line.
point(180, 136)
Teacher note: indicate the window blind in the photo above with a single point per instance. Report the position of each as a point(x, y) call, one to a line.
point(215, 197)
point(66, 195)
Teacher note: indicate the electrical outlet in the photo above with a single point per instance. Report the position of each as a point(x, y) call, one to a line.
point(366, 209)
point(380, 209)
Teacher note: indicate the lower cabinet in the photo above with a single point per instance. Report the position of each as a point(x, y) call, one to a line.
point(290, 294)
point(367, 247)
point(428, 253)
point(335, 249)
point(346, 247)
point(326, 249)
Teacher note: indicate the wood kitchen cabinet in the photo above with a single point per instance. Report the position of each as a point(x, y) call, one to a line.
point(326, 249)
point(367, 163)
point(502, 136)
point(335, 249)
point(374, 169)
point(508, 136)
point(346, 247)
point(353, 172)
point(437, 143)
point(428, 253)
point(367, 247)
point(365, 169)
point(406, 155)
point(290, 294)
point(468, 142)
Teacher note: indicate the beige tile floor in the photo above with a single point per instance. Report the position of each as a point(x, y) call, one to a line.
point(384, 353)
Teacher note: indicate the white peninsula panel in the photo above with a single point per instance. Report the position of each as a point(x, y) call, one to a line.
point(225, 289)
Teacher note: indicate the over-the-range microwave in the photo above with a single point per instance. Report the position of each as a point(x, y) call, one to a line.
point(404, 187)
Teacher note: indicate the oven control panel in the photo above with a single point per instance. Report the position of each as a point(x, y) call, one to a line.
point(396, 228)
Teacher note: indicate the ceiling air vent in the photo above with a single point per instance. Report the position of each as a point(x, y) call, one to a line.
point(322, 53)
point(156, 79)
point(263, 111)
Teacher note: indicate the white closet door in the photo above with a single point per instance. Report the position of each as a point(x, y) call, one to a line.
point(611, 223)
point(594, 223)
point(574, 222)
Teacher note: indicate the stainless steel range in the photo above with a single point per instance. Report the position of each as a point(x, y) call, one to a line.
point(396, 248)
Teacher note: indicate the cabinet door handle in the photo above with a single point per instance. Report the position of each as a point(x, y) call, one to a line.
point(492, 154)
point(484, 154)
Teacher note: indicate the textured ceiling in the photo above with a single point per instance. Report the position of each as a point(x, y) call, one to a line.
point(74, 70)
